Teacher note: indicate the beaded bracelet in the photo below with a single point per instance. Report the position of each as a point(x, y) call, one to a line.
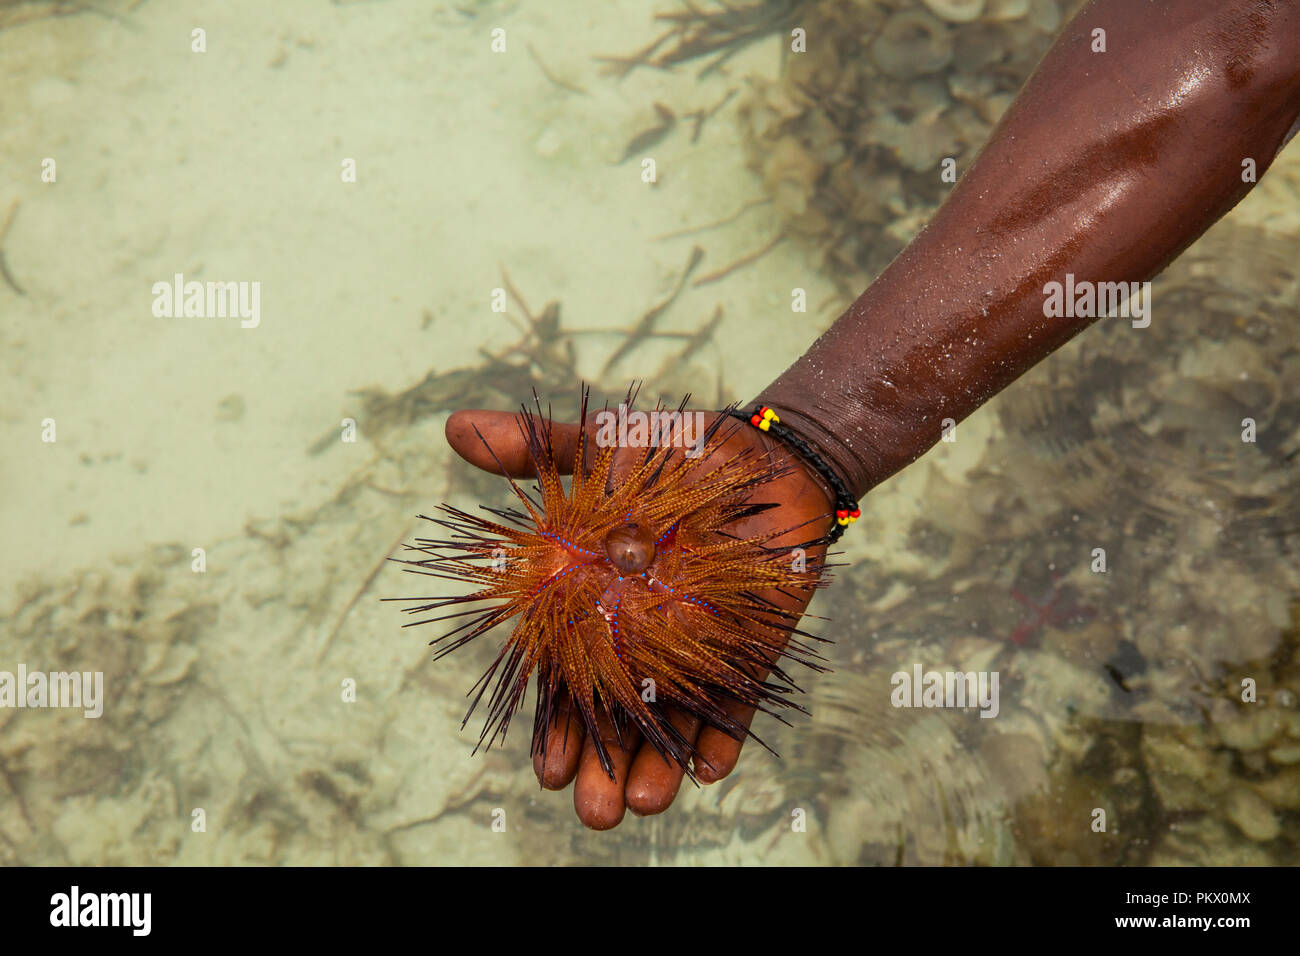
point(846, 506)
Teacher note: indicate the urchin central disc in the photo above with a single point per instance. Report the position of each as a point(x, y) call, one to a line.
point(631, 547)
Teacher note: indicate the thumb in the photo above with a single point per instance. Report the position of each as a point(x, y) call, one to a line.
point(495, 441)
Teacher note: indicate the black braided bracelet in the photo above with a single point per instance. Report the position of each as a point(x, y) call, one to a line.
point(846, 506)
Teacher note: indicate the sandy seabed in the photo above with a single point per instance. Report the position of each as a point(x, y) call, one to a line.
point(226, 688)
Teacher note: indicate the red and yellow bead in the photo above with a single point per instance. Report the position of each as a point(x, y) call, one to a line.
point(763, 418)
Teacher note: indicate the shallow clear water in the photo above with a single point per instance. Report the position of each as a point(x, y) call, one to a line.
point(262, 705)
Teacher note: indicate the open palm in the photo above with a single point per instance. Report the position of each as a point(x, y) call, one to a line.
point(644, 781)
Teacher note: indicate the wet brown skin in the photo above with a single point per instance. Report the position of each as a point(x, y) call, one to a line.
point(1107, 165)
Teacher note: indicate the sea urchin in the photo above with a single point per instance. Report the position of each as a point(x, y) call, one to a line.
point(629, 590)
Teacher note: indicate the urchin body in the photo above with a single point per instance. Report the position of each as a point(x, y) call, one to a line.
point(628, 593)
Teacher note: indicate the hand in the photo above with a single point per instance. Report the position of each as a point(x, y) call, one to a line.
point(643, 780)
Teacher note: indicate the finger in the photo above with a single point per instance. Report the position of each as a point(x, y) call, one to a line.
point(505, 451)
point(716, 752)
point(653, 781)
point(564, 739)
point(598, 799)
